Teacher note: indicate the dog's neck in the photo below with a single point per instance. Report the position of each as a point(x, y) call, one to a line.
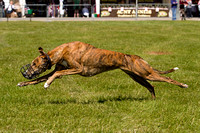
point(54, 57)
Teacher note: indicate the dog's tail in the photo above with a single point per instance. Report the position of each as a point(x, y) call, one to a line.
point(168, 71)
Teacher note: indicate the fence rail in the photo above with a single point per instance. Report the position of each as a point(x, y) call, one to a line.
point(107, 10)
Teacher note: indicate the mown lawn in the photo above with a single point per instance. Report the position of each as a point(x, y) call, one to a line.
point(108, 102)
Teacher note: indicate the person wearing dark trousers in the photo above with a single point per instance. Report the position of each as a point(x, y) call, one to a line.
point(2, 8)
point(174, 7)
point(189, 8)
point(182, 9)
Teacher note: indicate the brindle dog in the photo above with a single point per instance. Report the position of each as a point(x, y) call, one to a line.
point(87, 60)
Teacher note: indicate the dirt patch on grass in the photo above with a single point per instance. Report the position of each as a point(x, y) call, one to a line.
point(158, 53)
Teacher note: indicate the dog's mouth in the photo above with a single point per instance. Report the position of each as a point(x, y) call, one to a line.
point(29, 73)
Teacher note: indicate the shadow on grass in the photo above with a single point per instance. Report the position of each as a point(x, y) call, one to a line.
point(121, 98)
point(99, 100)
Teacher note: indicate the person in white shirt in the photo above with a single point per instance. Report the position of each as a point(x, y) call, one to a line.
point(10, 8)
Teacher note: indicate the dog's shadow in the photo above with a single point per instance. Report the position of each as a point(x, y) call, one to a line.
point(99, 100)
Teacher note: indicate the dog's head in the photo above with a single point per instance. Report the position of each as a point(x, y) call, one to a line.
point(38, 66)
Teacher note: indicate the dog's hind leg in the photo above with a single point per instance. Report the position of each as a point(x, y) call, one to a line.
point(142, 82)
point(156, 77)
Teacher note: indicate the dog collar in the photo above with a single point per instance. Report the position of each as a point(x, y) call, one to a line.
point(48, 62)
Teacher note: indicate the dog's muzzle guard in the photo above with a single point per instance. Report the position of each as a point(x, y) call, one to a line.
point(29, 73)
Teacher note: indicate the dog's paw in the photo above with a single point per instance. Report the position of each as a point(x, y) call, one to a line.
point(175, 68)
point(185, 86)
point(21, 84)
point(46, 85)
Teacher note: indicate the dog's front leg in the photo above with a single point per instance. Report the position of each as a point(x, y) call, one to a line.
point(36, 81)
point(61, 73)
point(43, 78)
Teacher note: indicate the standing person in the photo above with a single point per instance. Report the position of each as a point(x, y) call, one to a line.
point(199, 7)
point(53, 9)
point(189, 8)
point(182, 9)
point(49, 13)
point(2, 6)
point(10, 8)
point(76, 8)
point(174, 6)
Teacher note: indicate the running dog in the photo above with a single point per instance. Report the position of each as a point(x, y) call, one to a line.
point(87, 60)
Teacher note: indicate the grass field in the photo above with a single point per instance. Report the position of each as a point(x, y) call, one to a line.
point(111, 101)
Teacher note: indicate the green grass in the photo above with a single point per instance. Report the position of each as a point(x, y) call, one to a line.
point(108, 102)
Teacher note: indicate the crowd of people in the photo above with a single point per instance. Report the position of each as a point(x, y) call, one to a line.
point(52, 10)
point(70, 11)
point(6, 11)
point(185, 8)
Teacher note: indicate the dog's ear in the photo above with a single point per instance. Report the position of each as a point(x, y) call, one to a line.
point(41, 51)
